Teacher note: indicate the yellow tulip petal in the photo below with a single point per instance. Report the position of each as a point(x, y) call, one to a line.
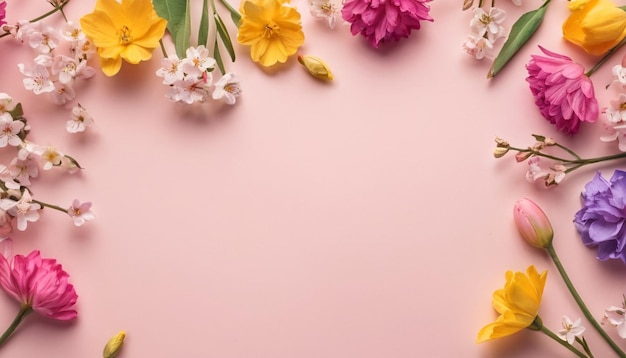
point(595, 25)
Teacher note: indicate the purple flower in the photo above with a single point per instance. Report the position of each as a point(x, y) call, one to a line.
point(3, 12)
point(600, 222)
point(383, 20)
point(563, 93)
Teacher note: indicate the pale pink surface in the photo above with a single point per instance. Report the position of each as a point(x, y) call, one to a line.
point(362, 218)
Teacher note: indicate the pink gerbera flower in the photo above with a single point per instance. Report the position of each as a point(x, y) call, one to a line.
point(563, 93)
point(384, 20)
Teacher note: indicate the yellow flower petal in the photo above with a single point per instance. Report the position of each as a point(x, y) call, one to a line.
point(272, 29)
point(110, 66)
point(129, 30)
point(518, 304)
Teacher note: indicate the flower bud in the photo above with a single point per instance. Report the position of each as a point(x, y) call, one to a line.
point(500, 152)
point(522, 156)
point(114, 345)
point(532, 223)
point(501, 143)
point(316, 67)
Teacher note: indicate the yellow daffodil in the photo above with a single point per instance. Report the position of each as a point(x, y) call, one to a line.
point(272, 28)
point(518, 304)
point(127, 30)
point(595, 25)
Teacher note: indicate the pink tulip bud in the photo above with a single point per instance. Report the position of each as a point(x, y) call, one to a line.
point(532, 223)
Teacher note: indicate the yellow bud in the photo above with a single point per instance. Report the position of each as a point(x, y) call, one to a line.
point(114, 345)
point(316, 67)
point(499, 152)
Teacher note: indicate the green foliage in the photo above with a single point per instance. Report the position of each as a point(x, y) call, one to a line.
point(521, 32)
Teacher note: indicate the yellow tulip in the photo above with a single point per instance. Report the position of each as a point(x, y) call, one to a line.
point(595, 25)
point(518, 304)
point(127, 30)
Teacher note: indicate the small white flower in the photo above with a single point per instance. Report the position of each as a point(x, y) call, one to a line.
point(23, 170)
point(25, 211)
point(50, 156)
point(227, 88)
point(171, 70)
point(325, 10)
point(570, 330)
point(37, 78)
point(62, 93)
point(80, 213)
point(535, 171)
point(615, 316)
point(9, 130)
point(81, 119)
point(488, 24)
point(6, 103)
point(188, 90)
point(619, 73)
point(479, 47)
point(197, 61)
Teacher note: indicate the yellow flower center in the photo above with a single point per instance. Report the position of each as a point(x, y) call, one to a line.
point(485, 19)
point(269, 30)
point(232, 88)
point(125, 36)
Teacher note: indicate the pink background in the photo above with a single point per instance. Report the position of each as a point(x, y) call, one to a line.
point(360, 218)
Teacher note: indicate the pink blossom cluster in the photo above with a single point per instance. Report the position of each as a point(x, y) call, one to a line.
point(485, 31)
point(614, 119)
point(190, 79)
point(51, 72)
point(17, 206)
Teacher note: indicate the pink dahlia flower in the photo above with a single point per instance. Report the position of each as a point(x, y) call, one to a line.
point(383, 20)
point(563, 93)
point(38, 283)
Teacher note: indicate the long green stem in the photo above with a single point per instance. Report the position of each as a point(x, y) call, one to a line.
point(25, 310)
point(605, 57)
point(581, 161)
point(581, 304)
point(51, 206)
point(570, 347)
point(56, 8)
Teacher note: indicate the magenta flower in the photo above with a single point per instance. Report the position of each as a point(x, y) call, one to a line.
point(384, 20)
point(3, 12)
point(563, 93)
point(40, 284)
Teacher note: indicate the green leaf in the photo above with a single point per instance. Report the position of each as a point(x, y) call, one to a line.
point(176, 12)
point(521, 32)
point(203, 32)
point(218, 57)
point(17, 112)
point(222, 31)
point(234, 14)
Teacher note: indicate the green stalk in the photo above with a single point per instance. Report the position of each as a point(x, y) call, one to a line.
point(605, 58)
point(25, 310)
point(581, 304)
point(554, 337)
point(56, 8)
point(51, 206)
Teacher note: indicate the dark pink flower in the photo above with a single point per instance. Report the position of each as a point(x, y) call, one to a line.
point(3, 13)
point(563, 93)
point(383, 20)
point(38, 283)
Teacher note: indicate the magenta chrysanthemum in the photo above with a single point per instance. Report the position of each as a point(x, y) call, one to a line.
point(563, 93)
point(384, 20)
point(3, 12)
point(40, 284)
